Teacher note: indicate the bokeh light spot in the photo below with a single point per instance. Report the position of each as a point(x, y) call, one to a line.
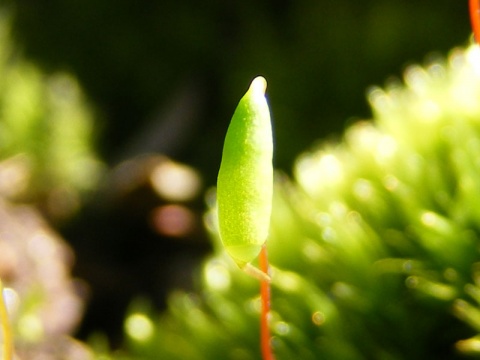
point(139, 327)
point(318, 318)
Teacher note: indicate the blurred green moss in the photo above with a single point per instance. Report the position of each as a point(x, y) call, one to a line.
point(47, 164)
point(47, 154)
point(374, 243)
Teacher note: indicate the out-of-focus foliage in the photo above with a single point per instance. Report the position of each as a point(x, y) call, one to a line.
point(165, 76)
point(374, 245)
point(318, 57)
point(46, 134)
point(45, 303)
point(47, 163)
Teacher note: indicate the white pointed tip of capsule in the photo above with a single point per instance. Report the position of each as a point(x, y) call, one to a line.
point(259, 85)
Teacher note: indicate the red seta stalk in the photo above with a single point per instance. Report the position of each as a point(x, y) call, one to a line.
point(475, 18)
point(267, 353)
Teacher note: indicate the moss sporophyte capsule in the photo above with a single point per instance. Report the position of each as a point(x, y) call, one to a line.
point(245, 179)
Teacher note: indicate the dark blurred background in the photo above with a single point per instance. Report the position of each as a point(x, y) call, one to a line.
point(164, 78)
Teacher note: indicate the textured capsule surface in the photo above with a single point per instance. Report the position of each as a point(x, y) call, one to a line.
point(245, 179)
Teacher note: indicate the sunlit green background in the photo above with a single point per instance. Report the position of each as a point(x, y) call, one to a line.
point(163, 78)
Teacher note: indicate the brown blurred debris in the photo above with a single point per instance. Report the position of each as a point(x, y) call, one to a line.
point(35, 263)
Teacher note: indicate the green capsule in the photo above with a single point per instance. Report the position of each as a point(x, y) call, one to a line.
point(245, 179)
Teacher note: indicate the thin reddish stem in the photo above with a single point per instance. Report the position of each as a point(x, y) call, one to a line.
point(267, 353)
point(475, 18)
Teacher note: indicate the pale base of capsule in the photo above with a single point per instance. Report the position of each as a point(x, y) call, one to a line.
point(255, 272)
